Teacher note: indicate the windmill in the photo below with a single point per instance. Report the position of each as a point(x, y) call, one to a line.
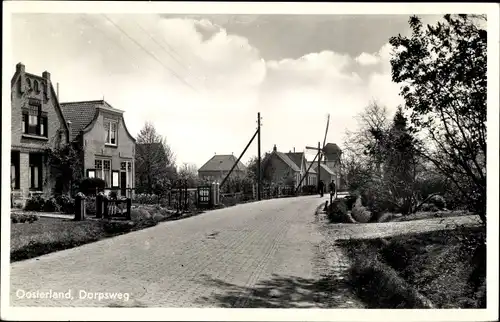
point(320, 153)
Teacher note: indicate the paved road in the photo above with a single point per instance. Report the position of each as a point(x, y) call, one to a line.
point(270, 254)
point(262, 254)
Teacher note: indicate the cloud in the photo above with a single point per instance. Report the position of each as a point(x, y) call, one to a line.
point(367, 59)
point(91, 58)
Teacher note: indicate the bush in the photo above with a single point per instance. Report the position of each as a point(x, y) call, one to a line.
point(429, 207)
point(50, 205)
point(360, 213)
point(337, 211)
point(147, 199)
point(158, 217)
point(90, 205)
point(438, 201)
point(23, 218)
point(89, 186)
point(350, 201)
point(113, 195)
point(66, 204)
point(35, 203)
point(309, 189)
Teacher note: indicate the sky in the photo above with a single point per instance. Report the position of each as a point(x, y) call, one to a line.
point(201, 79)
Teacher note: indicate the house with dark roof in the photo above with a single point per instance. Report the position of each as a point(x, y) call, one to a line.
point(217, 168)
point(37, 124)
point(107, 145)
point(283, 168)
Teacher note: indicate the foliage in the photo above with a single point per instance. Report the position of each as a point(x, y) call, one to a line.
point(90, 205)
point(438, 201)
point(337, 211)
point(51, 205)
point(90, 186)
point(154, 161)
point(145, 198)
point(360, 213)
point(309, 189)
point(188, 173)
point(66, 204)
point(23, 218)
point(34, 203)
point(442, 70)
point(65, 162)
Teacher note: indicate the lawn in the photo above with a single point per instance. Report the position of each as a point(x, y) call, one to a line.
point(446, 267)
point(48, 235)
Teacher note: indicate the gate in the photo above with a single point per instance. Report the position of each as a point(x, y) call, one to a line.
point(110, 207)
point(208, 196)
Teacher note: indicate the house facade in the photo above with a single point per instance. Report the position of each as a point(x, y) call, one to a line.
point(280, 169)
point(217, 168)
point(37, 124)
point(108, 148)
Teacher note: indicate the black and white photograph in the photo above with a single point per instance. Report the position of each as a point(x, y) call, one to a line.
point(306, 161)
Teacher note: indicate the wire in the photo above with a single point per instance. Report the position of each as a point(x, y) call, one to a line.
point(152, 38)
point(149, 53)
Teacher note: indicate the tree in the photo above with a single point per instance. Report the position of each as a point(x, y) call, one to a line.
point(65, 164)
point(155, 161)
point(442, 70)
point(189, 173)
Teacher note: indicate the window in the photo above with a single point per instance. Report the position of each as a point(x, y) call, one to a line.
point(35, 87)
point(102, 171)
point(107, 172)
point(98, 169)
point(35, 171)
point(110, 132)
point(116, 179)
point(14, 169)
point(34, 122)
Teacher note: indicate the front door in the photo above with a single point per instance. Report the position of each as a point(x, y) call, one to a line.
point(123, 183)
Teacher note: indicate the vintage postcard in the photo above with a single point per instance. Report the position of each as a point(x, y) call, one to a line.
point(250, 161)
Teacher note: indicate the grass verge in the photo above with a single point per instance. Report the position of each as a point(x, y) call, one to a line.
point(47, 235)
point(445, 268)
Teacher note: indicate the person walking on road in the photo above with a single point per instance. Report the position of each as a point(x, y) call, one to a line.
point(333, 191)
point(321, 188)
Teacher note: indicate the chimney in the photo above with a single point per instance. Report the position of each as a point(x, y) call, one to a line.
point(20, 68)
point(46, 75)
point(274, 148)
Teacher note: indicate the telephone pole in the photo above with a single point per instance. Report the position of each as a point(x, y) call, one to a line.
point(319, 163)
point(258, 157)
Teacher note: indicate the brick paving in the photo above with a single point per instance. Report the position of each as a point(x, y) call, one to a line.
point(270, 254)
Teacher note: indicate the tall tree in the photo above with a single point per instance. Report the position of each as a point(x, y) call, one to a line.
point(442, 70)
point(155, 161)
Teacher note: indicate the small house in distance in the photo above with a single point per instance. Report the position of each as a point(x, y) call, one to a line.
point(217, 168)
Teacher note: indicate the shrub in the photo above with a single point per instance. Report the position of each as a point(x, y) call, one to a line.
point(146, 199)
point(66, 204)
point(385, 217)
point(35, 203)
point(50, 205)
point(360, 213)
point(23, 218)
point(89, 186)
point(429, 207)
point(309, 189)
point(158, 217)
point(90, 205)
point(438, 201)
point(113, 195)
point(350, 201)
point(337, 211)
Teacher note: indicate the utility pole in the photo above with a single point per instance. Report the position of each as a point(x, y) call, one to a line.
point(258, 158)
point(319, 163)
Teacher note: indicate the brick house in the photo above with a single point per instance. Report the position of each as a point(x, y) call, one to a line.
point(37, 124)
point(279, 168)
point(108, 149)
point(217, 168)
